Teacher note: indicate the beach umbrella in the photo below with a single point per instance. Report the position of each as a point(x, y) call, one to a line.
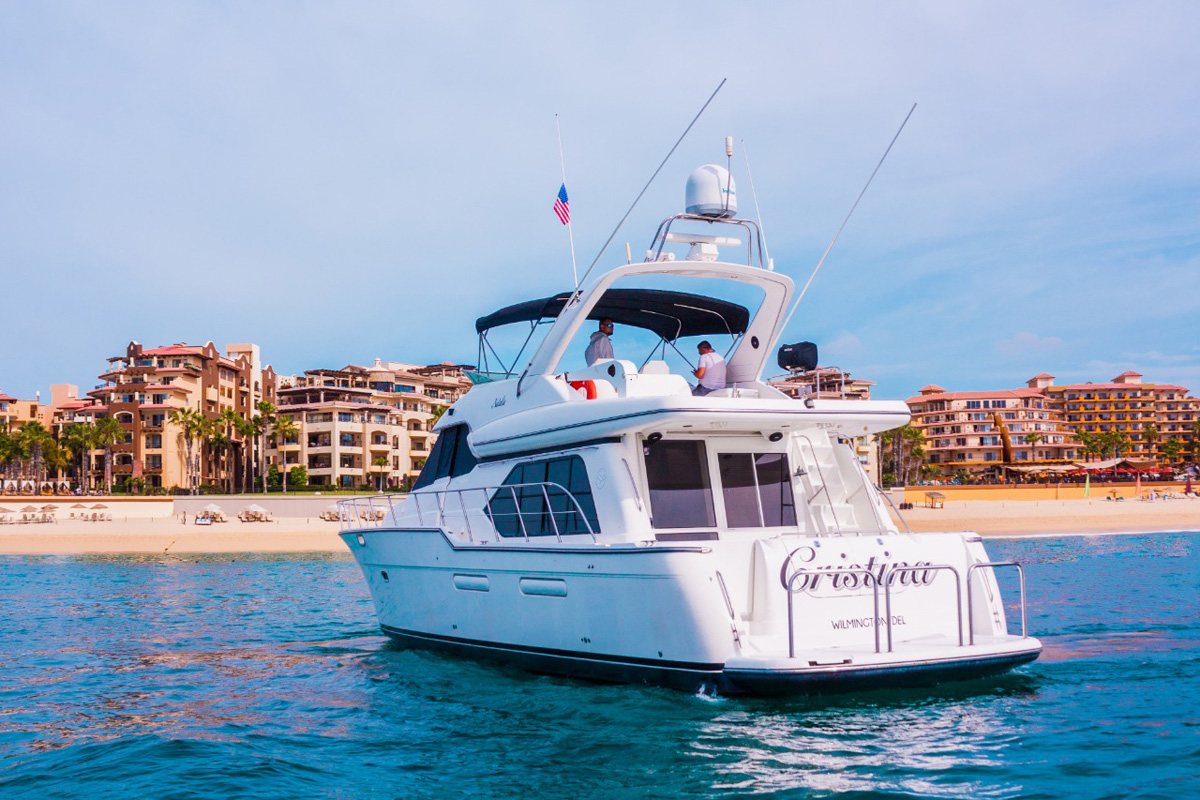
point(27, 509)
point(79, 505)
point(9, 510)
point(257, 509)
point(212, 507)
point(99, 505)
point(49, 507)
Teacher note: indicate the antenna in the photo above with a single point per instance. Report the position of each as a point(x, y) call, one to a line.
point(570, 232)
point(762, 232)
point(847, 219)
point(728, 170)
point(647, 186)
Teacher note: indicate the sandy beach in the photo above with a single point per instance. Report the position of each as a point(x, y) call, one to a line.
point(158, 531)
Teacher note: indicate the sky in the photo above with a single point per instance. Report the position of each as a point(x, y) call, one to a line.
point(344, 181)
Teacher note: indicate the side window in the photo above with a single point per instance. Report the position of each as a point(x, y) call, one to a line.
point(757, 490)
point(522, 510)
point(680, 488)
point(450, 456)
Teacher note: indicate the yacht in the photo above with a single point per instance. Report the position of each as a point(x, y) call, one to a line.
point(604, 522)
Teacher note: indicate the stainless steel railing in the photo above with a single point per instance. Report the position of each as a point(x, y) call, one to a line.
point(888, 580)
point(442, 507)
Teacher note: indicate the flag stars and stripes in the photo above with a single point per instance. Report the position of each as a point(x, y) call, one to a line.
point(561, 206)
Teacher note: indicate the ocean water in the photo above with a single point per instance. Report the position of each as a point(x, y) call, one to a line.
point(266, 676)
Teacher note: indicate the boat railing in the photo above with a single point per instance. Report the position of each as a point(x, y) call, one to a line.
point(992, 565)
point(455, 508)
point(753, 236)
point(887, 581)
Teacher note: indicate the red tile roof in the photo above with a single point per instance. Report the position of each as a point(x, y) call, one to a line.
point(993, 394)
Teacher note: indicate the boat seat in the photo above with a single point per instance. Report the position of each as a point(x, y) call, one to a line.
point(656, 368)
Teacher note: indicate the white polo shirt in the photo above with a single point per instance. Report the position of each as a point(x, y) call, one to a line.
point(714, 370)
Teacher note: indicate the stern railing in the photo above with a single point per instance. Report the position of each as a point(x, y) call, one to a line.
point(887, 580)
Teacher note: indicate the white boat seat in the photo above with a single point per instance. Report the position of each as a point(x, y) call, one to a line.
point(656, 368)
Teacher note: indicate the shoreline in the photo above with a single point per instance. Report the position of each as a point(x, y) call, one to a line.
point(991, 519)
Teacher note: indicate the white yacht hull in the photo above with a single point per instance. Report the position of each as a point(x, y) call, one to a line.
point(656, 614)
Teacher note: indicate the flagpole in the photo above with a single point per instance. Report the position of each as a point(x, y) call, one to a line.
point(570, 233)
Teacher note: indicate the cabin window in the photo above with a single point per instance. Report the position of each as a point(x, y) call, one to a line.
point(680, 488)
point(757, 490)
point(534, 517)
point(450, 456)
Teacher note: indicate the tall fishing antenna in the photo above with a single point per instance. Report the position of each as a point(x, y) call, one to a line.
point(847, 219)
point(762, 231)
point(647, 186)
point(570, 233)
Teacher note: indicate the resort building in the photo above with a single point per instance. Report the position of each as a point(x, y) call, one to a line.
point(831, 383)
point(980, 432)
point(143, 387)
point(1146, 414)
point(364, 426)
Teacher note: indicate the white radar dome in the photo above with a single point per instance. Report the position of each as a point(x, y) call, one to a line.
point(711, 192)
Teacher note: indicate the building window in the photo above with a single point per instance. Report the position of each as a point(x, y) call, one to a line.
point(680, 488)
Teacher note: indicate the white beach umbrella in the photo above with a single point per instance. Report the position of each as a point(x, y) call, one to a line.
point(257, 509)
point(212, 507)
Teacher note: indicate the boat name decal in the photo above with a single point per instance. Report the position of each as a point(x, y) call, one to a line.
point(499, 401)
point(849, 577)
point(865, 622)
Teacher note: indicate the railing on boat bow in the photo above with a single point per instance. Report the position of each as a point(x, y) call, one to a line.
point(440, 508)
point(888, 580)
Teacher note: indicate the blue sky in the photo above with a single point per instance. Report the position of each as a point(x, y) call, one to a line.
point(341, 181)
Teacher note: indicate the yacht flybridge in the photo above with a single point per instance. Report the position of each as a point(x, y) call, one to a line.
point(603, 522)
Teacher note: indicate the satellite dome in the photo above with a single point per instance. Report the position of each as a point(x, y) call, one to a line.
point(711, 192)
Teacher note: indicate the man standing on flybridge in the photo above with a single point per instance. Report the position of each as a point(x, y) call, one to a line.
point(710, 372)
point(600, 347)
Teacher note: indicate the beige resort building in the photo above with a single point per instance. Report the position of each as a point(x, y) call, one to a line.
point(144, 385)
point(1041, 419)
point(364, 425)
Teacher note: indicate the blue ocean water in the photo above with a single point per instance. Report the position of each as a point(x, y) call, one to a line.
point(266, 676)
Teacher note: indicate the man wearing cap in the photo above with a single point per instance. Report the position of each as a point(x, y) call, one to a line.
point(710, 372)
point(600, 347)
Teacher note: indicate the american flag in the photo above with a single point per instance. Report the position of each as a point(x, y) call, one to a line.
point(561, 207)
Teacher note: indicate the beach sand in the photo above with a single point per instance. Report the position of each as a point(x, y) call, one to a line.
point(995, 518)
point(167, 534)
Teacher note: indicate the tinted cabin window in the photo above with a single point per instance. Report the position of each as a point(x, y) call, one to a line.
point(680, 488)
point(757, 490)
point(450, 456)
point(535, 518)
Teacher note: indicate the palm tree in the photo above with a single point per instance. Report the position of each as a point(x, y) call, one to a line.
point(77, 438)
point(10, 454)
point(262, 423)
point(1150, 437)
point(190, 423)
point(1032, 440)
point(381, 462)
point(108, 432)
point(1171, 449)
point(35, 440)
point(245, 430)
point(285, 428)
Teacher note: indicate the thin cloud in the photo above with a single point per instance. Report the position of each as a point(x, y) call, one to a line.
point(1025, 343)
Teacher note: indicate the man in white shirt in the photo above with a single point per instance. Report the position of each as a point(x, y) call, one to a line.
point(710, 372)
point(600, 347)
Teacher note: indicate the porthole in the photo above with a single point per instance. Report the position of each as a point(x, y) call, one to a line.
point(383, 574)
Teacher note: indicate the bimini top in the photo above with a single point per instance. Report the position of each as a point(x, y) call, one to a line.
point(670, 315)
